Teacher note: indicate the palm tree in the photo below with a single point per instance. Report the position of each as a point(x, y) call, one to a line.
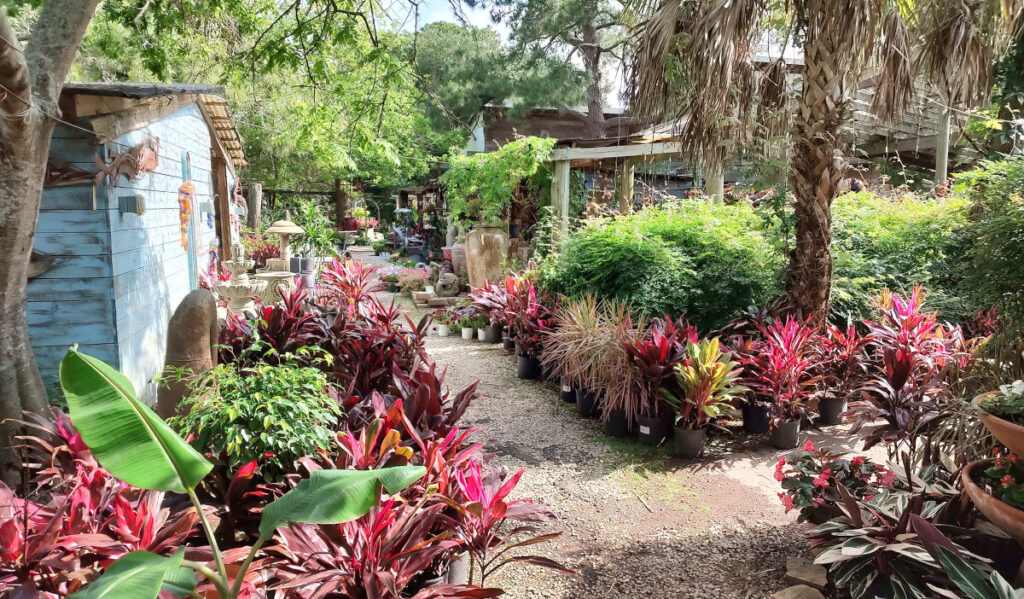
point(695, 62)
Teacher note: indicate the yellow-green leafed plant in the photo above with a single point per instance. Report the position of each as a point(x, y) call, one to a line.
point(707, 379)
point(135, 445)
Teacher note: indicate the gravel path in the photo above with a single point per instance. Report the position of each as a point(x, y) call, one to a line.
point(636, 520)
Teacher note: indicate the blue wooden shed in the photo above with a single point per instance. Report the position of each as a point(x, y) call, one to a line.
point(140, 196)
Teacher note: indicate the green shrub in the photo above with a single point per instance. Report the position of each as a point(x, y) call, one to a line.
point(283, 410)
point(897, 243)
point(994, 266)
point(706, 260)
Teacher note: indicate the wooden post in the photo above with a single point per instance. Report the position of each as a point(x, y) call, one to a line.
point(626, 179)
point(942, 147)
point(221, 204)
point(255, 202)
point(560, 196)
point(339, 205)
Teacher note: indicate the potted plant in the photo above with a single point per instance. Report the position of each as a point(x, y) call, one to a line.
point(530, 319)
point(841, 367)
point(1002, 413)
point(480, 323)
point(654, 353)
point(707, 381)
point(996, 487)
point(615, 382)
point(779, 374)
point(571, 349)
point(443, 319)
point(468, 325)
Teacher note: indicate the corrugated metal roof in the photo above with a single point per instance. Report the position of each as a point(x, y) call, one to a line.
point(211, 99)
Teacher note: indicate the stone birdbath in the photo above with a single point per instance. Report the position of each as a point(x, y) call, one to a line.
point(283, 229)
point(240, 289)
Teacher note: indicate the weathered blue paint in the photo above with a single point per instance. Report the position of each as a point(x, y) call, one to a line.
point(119, 277)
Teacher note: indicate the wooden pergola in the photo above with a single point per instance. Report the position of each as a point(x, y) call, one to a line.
point(632, 154)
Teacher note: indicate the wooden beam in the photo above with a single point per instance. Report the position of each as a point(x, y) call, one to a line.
point(560, 196)
point(255, 214)
point(648, 149)
point(219, 166)
point(146, 112)
point(298, 192)
point(626, 180)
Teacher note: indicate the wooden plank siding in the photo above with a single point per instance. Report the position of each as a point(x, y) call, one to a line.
point(72, 302)
point(118, 277)
point(148, 263)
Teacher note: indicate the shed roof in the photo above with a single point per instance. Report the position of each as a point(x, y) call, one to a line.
point(210, 98)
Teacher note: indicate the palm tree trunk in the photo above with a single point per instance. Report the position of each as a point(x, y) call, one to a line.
point(591, 50)
point(817, 165)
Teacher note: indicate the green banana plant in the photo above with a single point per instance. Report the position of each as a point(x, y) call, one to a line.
point(137, 446)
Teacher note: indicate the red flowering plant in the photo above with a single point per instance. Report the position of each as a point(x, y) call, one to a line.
point(778, 369)
point(1005, 478)
point(811, 478)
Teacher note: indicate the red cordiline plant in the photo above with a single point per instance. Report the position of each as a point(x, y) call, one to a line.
point(83, 521)
point(654, 353)
point(492, 300)
point(840, 360)
point(907, 386)
point(348, 284)
point(528, 318)
point(778, 369)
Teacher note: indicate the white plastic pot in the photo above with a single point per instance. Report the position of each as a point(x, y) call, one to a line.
point(467, 333)
point(430, 289)
point(442, 330)
point(481, 334)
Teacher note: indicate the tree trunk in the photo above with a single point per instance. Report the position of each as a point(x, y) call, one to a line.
point(591, 50)
point(21, 387)
point(817, 166)
point(32, 78)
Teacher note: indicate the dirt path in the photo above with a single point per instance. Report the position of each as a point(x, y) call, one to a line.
point(637, 522)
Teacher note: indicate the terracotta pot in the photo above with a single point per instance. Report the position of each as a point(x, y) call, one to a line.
point(1009, 519)
point(486, 248)
point(1009, 434)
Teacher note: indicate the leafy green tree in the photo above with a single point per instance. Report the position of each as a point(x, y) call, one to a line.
point(463, 68)
point(588, 28)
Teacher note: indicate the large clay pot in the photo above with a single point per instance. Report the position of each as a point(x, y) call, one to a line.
point(1009, 519)
point(1009, 434)
point(486, 248)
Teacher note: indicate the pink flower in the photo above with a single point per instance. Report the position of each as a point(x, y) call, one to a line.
point(819, 501)
point(787, 501)
point(1006, 481)
point(778, 469)
point(822, 479)
point(808, 446)
point(887, 478)
point(857, 461)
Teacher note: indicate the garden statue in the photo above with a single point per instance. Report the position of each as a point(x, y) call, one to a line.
point(447, 285)
point(191, 346)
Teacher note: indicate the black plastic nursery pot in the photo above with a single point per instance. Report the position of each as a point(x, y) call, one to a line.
point(689, 442)
point(652, 429)
point(830, 410)
point(616, 424)
point(513, 230)
point(785, 435)
point(492, 333)
point(756, 419)
point(528, 367)
point(586, 402)
point(509, 343)
point(567, 393)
